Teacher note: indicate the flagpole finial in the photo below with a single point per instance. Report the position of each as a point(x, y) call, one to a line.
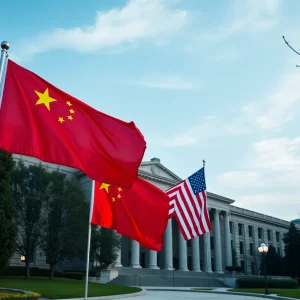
point(203, 163)
point(5, 45)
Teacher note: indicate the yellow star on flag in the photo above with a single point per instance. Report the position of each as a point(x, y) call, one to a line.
point(70, 118)
point(119, 196)
point(61, 119)
point(69, 103)
point(104, 186)
point(72, 111)
point(113, 199)
point(119, 189)
point(45, 99)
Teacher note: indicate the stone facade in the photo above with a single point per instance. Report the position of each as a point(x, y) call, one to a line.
point(232, 228)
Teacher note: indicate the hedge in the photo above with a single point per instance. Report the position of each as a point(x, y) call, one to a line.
point(38, 272)
point(259, 282)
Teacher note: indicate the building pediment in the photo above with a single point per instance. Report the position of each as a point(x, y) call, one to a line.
point(154, 170)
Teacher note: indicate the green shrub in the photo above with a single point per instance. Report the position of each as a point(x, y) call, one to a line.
point(38, 272)
point(259, 282)
point(74, 275)
point(233, 268)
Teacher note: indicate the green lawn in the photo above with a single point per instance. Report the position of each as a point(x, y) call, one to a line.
point(64, 288)
point(291, 293)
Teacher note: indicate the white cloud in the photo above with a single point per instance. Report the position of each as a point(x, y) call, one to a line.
point(192, 136)
point(279, 107)
point(247, 15)
point(240, 179)
point(138, 20)
point(280, 154)
point(167, 82)
point(272, 164)
point(281, 205)
point(209, 128)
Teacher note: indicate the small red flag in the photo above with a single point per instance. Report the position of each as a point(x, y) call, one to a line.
point(37, 119)
point(140, 213)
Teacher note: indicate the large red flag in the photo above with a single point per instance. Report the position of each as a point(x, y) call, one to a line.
point(140, 213)
point(37, 119)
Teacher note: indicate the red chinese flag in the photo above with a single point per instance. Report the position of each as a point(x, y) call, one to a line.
point(140, 213)
point(37, 119)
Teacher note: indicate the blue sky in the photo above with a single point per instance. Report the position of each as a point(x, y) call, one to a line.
point(206, 80)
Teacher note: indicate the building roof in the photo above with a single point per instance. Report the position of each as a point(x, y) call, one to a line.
point(296, 221)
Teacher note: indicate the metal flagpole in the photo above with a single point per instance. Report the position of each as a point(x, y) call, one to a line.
point(89, 242)
point(3, 59)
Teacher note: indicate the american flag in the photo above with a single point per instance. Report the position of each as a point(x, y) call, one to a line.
point(188, 205)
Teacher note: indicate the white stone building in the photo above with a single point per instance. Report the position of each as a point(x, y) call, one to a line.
point(232, 228)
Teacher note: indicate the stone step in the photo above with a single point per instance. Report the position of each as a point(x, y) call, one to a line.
point(176, 273)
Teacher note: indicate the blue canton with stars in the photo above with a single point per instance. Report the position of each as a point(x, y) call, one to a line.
point(197, 181)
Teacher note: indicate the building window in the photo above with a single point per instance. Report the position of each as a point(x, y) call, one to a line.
point(251, 249)
point(269, 235)
point(189, 243)
point(32, 253)
point(277, 236)
point(240, 229)
point(250, 230)
point(241, 248)
point(243, 266)
point(212, 243)
point(230, 226)
point(259, 232)
point(253, 268)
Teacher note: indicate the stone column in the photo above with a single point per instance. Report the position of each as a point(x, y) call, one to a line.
point(168, 247)
point(118, 260)
point(217, 242)
point(152, 260)
point(135, 254)
point(281, 244)
point(207, 253)
point(237, 243)
point(182, 252)
point(228, 250)
point(196, 255)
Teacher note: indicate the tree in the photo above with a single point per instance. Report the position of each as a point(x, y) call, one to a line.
point(30, 187)
point(291, 48)
point(274, 262)
point(7, 224)
point(64, 221)
point(109, 245)
point(292, 250)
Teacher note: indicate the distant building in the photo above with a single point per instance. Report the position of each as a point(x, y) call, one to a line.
point(234, 228)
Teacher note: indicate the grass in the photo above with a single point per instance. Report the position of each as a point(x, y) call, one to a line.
point(64, 288)
point(291, 293)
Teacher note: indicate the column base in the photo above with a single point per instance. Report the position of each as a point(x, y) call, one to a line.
point(170, 268)
point(153, 267)
point(118, 265)
point(136, 266)
point(196, 270)
point(183, 269)
point(219, 272)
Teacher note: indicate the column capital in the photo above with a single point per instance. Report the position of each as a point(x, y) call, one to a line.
point(217, 211)
point(227, 213)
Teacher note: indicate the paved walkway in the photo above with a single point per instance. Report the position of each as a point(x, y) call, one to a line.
point(170, 295)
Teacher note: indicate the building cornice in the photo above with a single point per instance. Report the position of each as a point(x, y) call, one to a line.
point(234, 210)
point(219, 198)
